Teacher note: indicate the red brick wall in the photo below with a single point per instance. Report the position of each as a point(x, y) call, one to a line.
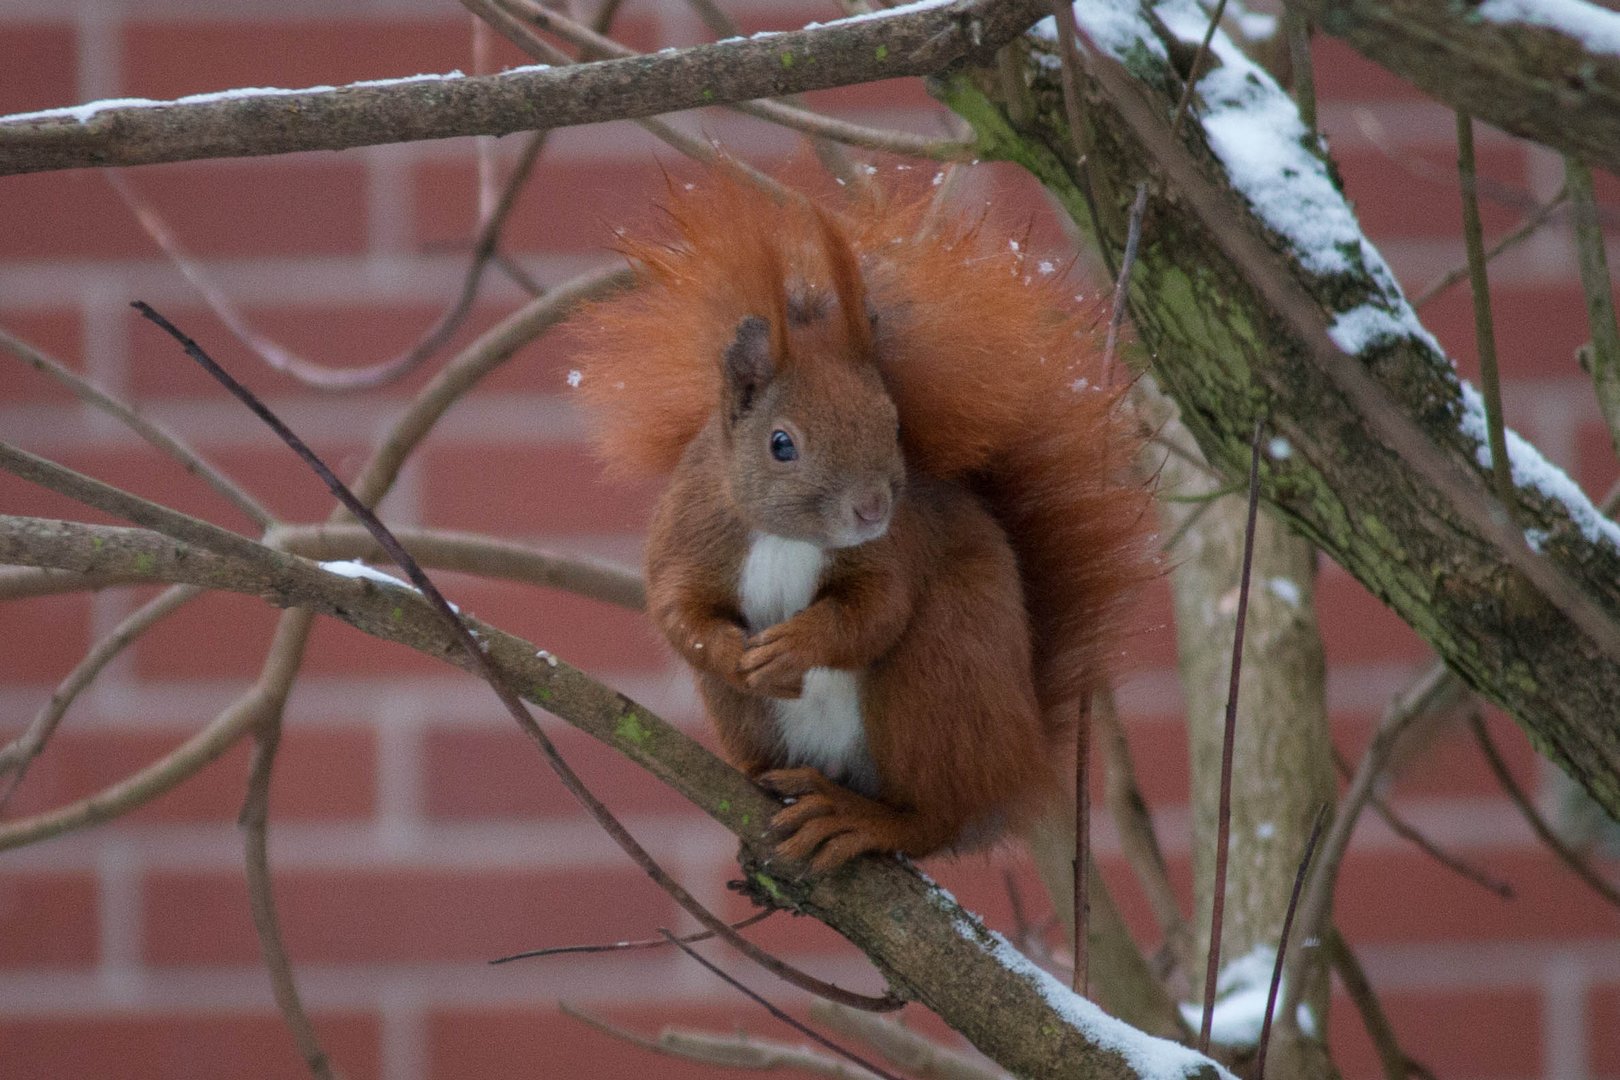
point(416, 835)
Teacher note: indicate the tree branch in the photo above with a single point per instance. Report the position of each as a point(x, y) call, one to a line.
point(1243, 314)
point(914, 42)
point(1524, 75)
point(930, 950)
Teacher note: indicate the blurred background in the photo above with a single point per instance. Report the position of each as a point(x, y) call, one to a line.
point(415, 833)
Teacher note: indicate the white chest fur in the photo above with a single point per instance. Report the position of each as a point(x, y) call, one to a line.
point(823, 727)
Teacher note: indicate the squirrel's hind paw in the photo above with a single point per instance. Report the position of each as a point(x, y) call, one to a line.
point(827, 825)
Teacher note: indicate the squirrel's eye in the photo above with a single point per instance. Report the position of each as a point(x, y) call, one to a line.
point(782, 448)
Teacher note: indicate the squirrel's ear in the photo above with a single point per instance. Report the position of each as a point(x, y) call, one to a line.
point(748, 365)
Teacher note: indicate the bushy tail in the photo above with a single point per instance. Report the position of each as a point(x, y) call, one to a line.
point(993, 364)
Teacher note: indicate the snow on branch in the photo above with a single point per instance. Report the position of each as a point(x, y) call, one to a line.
point(916, 39)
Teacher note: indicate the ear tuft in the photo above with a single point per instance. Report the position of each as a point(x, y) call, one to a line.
point(748, 365)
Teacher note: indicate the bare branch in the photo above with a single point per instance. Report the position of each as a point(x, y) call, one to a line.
point(759, 999)
point(18, 754)
point(1544, 832)
point(624, 946)
point(255, 822)
point(131, 418)
point(925, 944)
point(470, 553)
point(1408, 832)
point(919, 1056)
point(915, 42)
point(800, 119)
point(738, 1051)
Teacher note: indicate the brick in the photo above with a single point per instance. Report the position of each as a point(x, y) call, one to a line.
point(164, 1045)
point(172, 58)
point(1441, 759)
point(402, 916)
point(1361, 629)
point(57, 630)
point(1412, 191)
point(193, 643)
point(591, 635)
point(508, 1042)
point(59, 335)
point(1343, 74)
point(474, 774)
point(321, 775)
point(41, 62)
point(259, 207)
point(567, 206)
point(337, 335)
point(1597, 469)
point(556, 490)
point(267, 470)
point(1537, 328)
point(1376, 891)
point(1481, 1034)
point(1602, 1021)
point(48, 920)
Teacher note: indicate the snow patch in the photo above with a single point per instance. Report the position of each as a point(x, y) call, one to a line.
point(1595, 28)
point(350, 569)
point(1285, 590)
point(1241, 990)
point(1150, 1057)
point(1531, 470)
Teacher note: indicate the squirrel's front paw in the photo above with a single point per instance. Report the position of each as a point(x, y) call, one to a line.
point(774, 664)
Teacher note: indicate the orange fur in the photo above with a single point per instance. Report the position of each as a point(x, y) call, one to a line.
point(981, 351)
point(993, 369)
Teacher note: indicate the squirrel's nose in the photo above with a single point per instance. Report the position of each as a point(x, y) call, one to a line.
point(873, 506)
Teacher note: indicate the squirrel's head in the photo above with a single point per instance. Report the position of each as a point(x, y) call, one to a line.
point(812, 434)
point(813, 439)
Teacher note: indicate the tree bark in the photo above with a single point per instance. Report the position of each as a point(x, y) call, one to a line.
point(1229, 357)
point(1536, 81)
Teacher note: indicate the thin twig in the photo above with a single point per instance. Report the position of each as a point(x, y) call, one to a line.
point(1223, 836)
point(1282, 941)
point(308, 372)
point(805, 120)
point(1082, 845)
point(255, 822)
point(1122, 284)
point(1430, 692)
point(802, 1028)
point(599, 812)
point(21, 751)
point(153, 433)
point(1069, 57)
point(626, 946)
point(1360, 990)
point(1566, 854)
point(918, 1055)
point(1297, 27)
point(1136, 833)
point(1484, 329)
point(737, 1051)
point(1604, 352)
point(1532, 224)
point(511, 28)
point(1195, 72)
point(1409, 832)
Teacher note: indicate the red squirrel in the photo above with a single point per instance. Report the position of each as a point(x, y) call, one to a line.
point(899, 524)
